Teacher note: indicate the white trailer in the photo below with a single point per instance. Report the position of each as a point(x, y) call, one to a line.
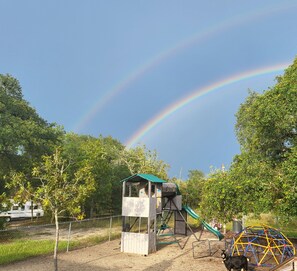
point(20, 211)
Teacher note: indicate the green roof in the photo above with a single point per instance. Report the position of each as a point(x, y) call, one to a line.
point(148, 177)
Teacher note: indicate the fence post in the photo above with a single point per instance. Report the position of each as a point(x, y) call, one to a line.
point(69, 233)
point(110, 224)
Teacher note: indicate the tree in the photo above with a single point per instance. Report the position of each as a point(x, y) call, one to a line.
point(100, 159)
point(250, 186)
point(116, 171)
point(58, 191)
point(267, 132)
point(142, 160)
point(220, 198)
point(255, 177)
point(102, 155)
point(191, 189)
point(24, 135)
point(287, 202)
point(267, 123)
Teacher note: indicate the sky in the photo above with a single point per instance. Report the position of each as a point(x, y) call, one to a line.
point(168, 74)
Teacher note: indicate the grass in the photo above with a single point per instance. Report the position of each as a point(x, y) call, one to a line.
point(23, 249)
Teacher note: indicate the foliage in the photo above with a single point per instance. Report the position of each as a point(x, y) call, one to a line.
point(3, 202)
point(142, 160)
point(266, 129)
point(266, 123)
point(287, 203)
point(102, 155)
point(24, 135)
point(191, 189)
point(57, 190)
point(220, 198)
point(256, 183)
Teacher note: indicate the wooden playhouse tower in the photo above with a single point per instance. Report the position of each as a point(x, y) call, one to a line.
point(144, 198)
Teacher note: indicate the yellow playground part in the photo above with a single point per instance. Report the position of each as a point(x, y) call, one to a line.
point(263, 245)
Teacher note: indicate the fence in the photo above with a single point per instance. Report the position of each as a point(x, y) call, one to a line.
point(72, 234)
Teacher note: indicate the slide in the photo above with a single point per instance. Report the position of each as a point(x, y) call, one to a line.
point(205, 224)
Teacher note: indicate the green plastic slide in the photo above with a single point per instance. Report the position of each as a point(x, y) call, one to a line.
point(205, 224)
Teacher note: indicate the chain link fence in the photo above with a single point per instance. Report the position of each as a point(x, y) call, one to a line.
point(74, 234)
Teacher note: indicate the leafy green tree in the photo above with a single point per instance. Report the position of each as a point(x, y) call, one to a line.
point(116, 171)
point(101, 161)
point(58, 191)
point(220, 198)
point(24, 135)
point(249, 186)
point(254, 178)
point(267, 123)
point(102, 155)
point(143, 160)
point(3, 202)
point(287, 202)
point(267, 132)
point(191, 189)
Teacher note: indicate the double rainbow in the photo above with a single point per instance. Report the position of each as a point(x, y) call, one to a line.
point(195, 39)
point(197, 93)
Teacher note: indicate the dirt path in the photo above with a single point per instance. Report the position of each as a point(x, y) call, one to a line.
point(107, 256)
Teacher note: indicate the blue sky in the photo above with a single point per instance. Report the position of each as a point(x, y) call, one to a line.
point(108, 67)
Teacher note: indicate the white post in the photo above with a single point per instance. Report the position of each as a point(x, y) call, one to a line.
point(69, 233)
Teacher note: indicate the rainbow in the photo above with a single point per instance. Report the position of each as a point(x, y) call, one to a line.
point(207, 33)
point(197, 93)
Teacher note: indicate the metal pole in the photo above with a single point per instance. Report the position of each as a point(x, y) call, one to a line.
point(110, 223)
point(69, 233)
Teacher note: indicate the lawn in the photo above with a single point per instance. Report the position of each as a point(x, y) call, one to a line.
point(22, 249)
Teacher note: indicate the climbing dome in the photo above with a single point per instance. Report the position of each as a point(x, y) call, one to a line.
point(263, 245)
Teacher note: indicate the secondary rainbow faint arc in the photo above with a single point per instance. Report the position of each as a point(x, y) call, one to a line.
point(174, 107)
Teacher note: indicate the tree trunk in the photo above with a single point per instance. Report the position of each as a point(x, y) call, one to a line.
point(31, 210)
point(57, 241)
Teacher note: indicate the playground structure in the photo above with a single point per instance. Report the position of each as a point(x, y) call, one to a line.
point(264, 246)
point(148, 204)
